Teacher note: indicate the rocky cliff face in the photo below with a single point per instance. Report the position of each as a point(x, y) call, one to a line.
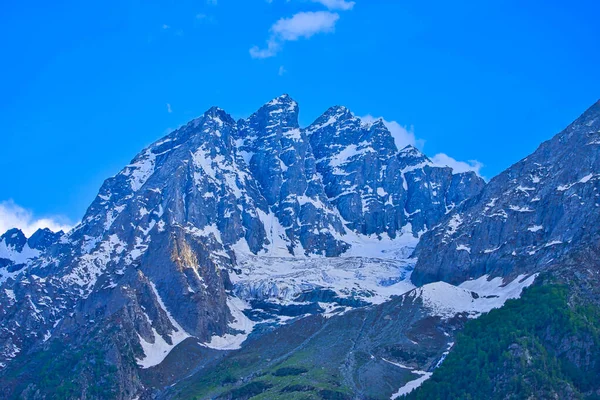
point(534, 215)
point(281, 161)
point(378, 188)
point(16, 249)
point(228, 232)
point(151, 263)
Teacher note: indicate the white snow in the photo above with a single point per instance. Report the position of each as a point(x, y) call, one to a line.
point(535, 228)
point(493, 250)
point(562, 188)
point(455, 222)
point(155, 353)
point(520, 209)
point(464, 248)
point(553, 243)
point(222, 171)
point(10, 294)
point(294, 134)
point(91, 266)
point(343, 156)
point(240, 323)
point(446, 300)
point(586, 178)
point(412, 385)
point(380, 272)
point(18, 257)
point(140, 171)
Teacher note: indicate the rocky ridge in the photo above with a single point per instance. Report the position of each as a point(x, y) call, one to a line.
point(533, 216)
point(154, 261)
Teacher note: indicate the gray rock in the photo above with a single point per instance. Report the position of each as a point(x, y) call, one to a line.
point(150, 261)
point(528, 218)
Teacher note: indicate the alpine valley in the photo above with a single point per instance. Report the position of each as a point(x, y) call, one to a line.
point(259, 259)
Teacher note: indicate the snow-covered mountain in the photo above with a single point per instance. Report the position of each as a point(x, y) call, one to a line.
point(218, 216)
point(16, 250)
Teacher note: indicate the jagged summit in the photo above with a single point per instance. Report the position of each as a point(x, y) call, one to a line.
point(225, 225)
point(16, 249)
point(158, 255)
point(280, 114)
point(284, 99)
point(44, 238)
point(218, 113)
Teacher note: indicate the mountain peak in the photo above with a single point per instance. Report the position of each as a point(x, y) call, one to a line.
point(281, 112)
point(337, 110)
point(411, 150)
point(338, 113)
point(337, 116)
point(13, 234)
point(411, 156)
point(43, 238)
point(14, 238)
point(219, 115)
point(285, 100)
point(378, 123)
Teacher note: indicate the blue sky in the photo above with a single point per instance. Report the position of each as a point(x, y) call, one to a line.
point(86, 85)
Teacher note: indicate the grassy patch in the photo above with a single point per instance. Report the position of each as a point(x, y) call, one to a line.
point(289, 371)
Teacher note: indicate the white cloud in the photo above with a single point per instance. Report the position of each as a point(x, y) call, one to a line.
point(402, 136)
point(444, 160)
point(165, 26)
point(212, 2)
point(15, 216)
point(302, 25)
point(271, 50)
point(305, 25)
point(336, 4)
point(282, 70)
point(169, 109)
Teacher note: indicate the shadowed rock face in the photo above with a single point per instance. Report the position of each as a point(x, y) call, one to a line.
point(376, 187)
point(530, 217)
point(149, 264)
point(16, 249)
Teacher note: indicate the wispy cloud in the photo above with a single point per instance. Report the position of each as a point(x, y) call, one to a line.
point(444, 160)
point(15, 216)
point(212, 2)
point(169, 109)
point(402, 135)
point(282, 70)
point(205, 18)
point(336, 4)
point(302, 25)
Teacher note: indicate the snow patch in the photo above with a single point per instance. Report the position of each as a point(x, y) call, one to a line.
point(155, 353)
point(535, 228)
point(446, 300)
point(412, 385)
point(240, 323)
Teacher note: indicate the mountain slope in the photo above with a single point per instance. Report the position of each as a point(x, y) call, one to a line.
point(528, 218)
point(544, 345)
point(376, 187)
point(187, 242)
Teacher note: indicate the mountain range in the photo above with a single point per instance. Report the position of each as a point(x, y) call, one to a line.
point(259, 259)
